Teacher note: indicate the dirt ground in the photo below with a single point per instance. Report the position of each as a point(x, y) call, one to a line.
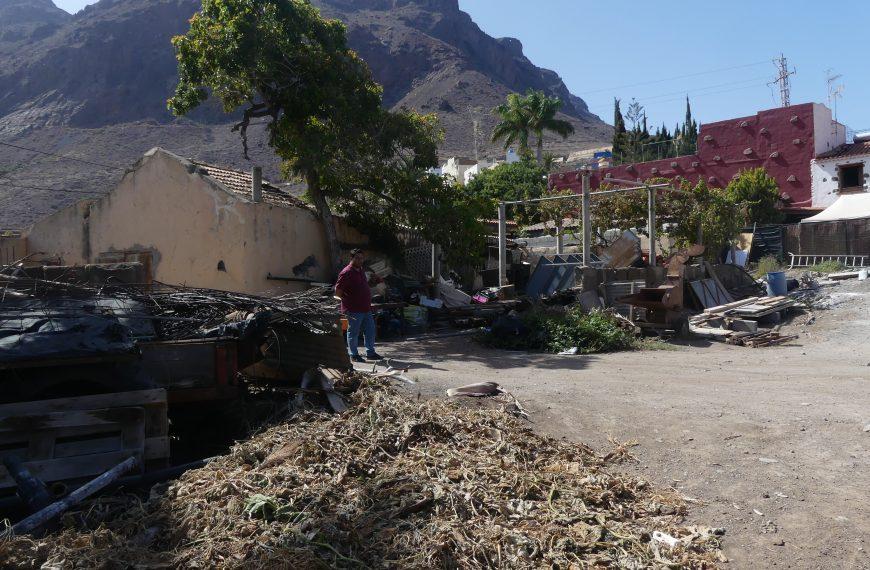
point(768, 441)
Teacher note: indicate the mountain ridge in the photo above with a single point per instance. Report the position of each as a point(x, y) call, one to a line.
point(104, 74)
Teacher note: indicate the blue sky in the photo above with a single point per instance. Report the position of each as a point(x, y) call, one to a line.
point(718, 52)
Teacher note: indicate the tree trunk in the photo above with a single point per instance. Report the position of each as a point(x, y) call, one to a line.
point(540, 150)
point(325, 214)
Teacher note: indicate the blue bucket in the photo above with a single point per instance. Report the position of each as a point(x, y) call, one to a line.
point(776, 284)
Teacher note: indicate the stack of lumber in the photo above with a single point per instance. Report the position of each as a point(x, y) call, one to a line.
point(736, 322)
point(749, 308)
point(758, 340)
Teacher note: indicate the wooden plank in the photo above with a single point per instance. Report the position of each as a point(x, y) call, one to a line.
point(710, 333)
point(723, 308)
point(742, 325)
point(99, 401)
point(41, 446)
point(87, 446)
point(68, 433)
point(157, 419)
point(57, 420)
point(157, 448)
point(70, 467)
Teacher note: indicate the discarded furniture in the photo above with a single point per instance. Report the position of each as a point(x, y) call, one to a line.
point(665, 304)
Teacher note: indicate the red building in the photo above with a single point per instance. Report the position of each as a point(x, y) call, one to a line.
point(782, 141)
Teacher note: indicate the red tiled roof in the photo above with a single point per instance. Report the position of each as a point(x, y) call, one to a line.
point(842, 151)
point(240, 183)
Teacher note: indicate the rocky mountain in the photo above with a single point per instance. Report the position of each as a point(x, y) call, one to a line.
point(94, 85)
point(23, 21)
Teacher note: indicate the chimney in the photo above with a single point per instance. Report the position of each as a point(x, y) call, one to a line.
point(257, 184)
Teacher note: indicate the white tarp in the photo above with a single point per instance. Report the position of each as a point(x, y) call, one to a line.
point(847, 207)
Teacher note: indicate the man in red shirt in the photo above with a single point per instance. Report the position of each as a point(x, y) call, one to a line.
point(353, 289)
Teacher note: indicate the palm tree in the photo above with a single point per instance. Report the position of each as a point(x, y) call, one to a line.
point(514, 123)
point(542, 111)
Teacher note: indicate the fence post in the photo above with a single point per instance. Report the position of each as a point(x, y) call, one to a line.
point(651, 199)
point(587, 220)
point(502, 244)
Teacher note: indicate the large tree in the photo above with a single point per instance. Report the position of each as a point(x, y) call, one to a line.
point(542, 117)
point(281, 61)
point(533, 114)
point(620, 135)
point(523, 180)
point(514, 123)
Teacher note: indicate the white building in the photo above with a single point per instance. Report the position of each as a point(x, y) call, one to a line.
point(477, 169)
point(456, 166)
point(463, 169)
point(841, 171)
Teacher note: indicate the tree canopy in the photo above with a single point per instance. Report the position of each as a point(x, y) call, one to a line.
point(521, 180)
point(279, 60)
point(639, 145)
point(719, 213)
point(524, 116)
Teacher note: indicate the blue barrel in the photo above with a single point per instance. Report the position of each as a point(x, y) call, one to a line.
point(776, 284)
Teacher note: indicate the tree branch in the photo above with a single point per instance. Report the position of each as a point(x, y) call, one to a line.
point(255, 111)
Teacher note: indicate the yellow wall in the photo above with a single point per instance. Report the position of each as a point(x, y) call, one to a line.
point(12, 249)
point(189, 223)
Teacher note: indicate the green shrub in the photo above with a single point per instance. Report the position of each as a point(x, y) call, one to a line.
point(767, 264)
point(554, 332)
point(829, 266)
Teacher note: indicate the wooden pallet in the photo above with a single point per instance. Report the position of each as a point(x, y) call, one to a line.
point(80, 437)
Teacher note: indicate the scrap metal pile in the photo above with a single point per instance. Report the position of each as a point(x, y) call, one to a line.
point(393, 482)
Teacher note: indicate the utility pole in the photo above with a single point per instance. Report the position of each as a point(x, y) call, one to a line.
point(651, 198)
point(587, 220)
point(502, 244)
point(474, 113)
point(782, 79)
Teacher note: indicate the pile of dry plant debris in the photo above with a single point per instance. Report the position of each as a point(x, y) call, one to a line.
point(393, 482)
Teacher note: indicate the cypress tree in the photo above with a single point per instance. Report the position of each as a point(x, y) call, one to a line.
point(620, 137)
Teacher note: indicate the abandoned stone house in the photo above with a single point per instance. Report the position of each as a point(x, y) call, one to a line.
point(193, 224)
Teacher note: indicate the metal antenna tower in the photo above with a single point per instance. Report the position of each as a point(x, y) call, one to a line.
point(782, 79)
point(834, 92)
point(474, 113)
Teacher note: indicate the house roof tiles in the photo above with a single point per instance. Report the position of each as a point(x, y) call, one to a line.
point(240, 183)
point(846, 150)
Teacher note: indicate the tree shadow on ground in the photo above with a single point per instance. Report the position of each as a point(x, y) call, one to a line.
point(429, 353)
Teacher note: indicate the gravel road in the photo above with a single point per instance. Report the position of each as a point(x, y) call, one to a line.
point(769, 441)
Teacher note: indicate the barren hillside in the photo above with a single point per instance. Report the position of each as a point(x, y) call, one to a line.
point(94, 85)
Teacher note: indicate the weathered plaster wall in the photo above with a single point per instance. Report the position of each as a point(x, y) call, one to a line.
point(190, 224)
point(828, 134)
point(12, 249)
point(825, 188)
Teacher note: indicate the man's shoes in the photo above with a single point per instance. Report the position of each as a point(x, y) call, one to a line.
point(357, 358)
point(374, 356)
